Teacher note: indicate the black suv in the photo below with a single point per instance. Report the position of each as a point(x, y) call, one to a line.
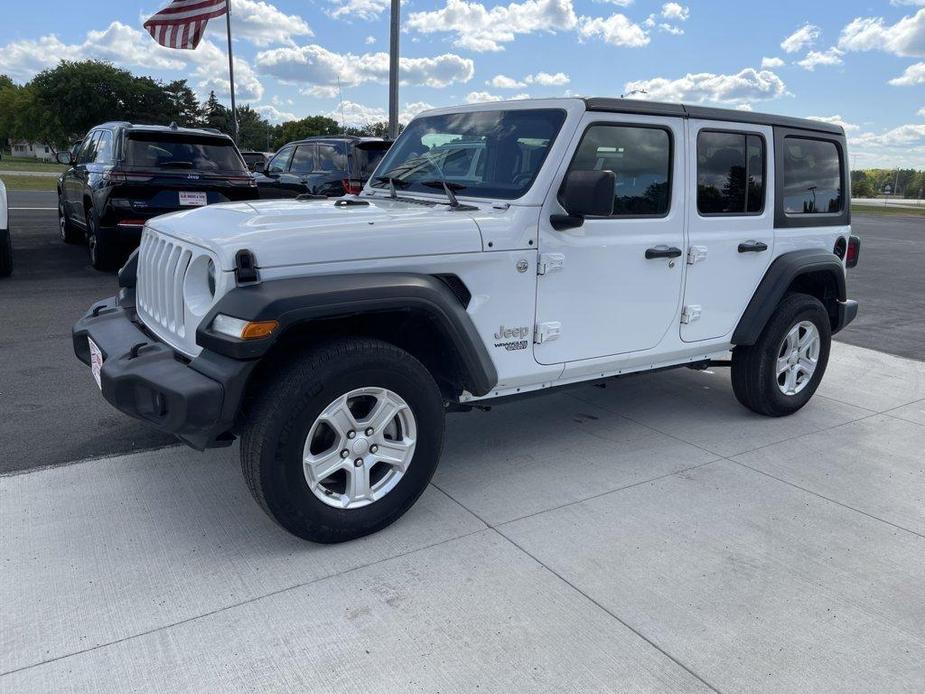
point(124, 174)
point(330, 166)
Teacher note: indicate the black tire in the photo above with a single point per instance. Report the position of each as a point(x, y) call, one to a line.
point(279, 418)
point(66, 229)
point(754, 372)
point(100, 246)
point(6, 253)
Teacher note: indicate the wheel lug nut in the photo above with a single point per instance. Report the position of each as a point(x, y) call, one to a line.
point(345, 453)
point(358, 462)
point(369, 432)
point(351, 434)
point(373, 448)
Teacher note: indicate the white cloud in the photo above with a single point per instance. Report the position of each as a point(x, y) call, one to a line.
point(362, 9)
point(903, 146)
point(413, 109)
point(262, 24)
point(814, 58)
point(744, 107)
point(480, 29)
point(671, 29)
point(544, 79)
point(675, 11)
point(618, 3)
point(921, 112)
point(212, 72)
point(904, 38)
point(352, 113)
point(504, 82)
point(616, 30)
point(369, 40)
point(771, 63)
point(802, 38)
point(914, 74)
point(836, 120)
point(481, 97)
point(898, 3)
point(313, 64)
point(744, 86)
point(274, 115)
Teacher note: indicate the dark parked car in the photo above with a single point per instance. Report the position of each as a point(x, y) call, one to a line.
point(256, 161)
point(329, 166)
point(124, 174)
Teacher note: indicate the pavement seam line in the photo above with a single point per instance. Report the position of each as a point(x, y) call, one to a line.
point(612, 614)
point(240, 603)
point(826, 498)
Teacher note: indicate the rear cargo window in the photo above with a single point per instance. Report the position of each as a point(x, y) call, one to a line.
point(730, 173)
point(183, 152)
point(812, 177)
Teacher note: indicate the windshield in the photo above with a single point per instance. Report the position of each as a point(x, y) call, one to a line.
point(183, 152)
point(492, 154)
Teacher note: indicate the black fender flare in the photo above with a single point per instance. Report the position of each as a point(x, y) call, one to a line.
point(298, 300)
point(778, 278)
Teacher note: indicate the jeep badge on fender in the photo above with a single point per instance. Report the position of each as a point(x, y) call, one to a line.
point(331, 336)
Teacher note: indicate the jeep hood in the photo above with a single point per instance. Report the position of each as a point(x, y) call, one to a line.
point(295, 232)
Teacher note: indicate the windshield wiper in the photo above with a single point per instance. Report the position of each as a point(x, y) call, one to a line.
point(448, 188)
point(393, 184)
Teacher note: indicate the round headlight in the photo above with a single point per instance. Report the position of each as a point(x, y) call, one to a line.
point(210, 275)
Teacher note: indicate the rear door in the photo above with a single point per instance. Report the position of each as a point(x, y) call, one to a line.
point(731, 224)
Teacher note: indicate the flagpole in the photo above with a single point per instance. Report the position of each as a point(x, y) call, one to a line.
point(234, 110)
point(393, 70)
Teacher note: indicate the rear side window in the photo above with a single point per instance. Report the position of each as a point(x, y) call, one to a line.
point(332, 157)
point(641, 159)
point(730, 173)
point(812, 177)
point(183, 152)
point(303, 161)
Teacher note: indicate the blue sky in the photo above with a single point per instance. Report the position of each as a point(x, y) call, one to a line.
point(858, 63)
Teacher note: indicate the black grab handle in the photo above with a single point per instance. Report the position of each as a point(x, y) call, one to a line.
point(662, 252)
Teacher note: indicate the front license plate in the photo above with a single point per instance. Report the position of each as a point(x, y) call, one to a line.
point(96, 362)
point(188, 199)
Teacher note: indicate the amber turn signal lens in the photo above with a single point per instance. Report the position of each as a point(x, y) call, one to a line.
point(259, 329)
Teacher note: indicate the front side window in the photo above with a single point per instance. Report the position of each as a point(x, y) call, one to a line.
point(639, 156)
point(493, 154)
point(730, 173)
point(812, 177)
point(280, 162)
point(88, 148)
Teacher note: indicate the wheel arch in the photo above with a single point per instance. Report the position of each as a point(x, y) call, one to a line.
point(422, 314)
point(815, 272)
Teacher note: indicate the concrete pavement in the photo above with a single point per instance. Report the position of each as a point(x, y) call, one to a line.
point(650, 536)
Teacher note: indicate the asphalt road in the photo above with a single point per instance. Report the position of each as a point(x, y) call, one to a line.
point(50, 412)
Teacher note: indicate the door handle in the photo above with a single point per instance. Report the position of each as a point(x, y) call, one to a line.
point(752, 247)
point(662, 252)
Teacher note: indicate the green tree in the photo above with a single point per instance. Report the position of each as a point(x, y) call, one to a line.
point(309, 126)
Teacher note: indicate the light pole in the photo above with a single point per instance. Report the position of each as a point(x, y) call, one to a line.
point(393, 69)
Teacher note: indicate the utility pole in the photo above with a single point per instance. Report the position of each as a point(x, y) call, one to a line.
point(393, 69)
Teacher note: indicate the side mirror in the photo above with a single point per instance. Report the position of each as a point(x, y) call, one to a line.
point(588, 193)
point(64, 158)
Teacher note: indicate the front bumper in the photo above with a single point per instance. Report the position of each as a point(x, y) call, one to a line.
point(197, 400)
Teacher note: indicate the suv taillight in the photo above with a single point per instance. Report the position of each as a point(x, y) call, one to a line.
point(352, 186)
point(118, 177)
point(248, 181)
point(854, 251)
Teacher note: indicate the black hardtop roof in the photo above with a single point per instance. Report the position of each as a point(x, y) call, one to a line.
point(656, 108)
point(338, 138)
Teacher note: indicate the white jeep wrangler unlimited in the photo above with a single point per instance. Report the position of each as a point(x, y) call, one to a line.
point(499, 249)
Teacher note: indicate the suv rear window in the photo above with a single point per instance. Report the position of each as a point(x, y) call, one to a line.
point(812, 177)
point(182, 151)
point(367, 156)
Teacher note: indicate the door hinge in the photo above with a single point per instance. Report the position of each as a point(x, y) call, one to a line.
point(544, 332)
point(696, 254)
point(690, 314)
point(550, 262)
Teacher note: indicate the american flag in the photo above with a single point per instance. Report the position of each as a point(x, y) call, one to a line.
point(183, 22)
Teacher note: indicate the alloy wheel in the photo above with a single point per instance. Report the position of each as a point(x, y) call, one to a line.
point(797, 357)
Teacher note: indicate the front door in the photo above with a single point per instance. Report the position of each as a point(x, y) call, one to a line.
point(731, 226)
point(613, 285)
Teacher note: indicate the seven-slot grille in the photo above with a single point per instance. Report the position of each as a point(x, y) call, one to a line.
point(162, 265)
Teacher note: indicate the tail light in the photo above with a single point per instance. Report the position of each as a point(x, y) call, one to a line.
point(352, 186)
point(119, 177)
point(854, 251)
point(248, 181)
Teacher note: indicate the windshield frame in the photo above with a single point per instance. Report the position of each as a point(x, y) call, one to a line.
point(417, 189)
